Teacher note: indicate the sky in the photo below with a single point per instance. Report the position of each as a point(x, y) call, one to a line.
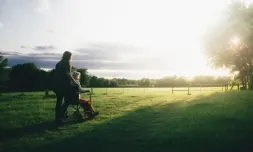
point(111, 38)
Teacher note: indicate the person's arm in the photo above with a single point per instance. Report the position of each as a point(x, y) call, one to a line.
point(82, 90)
point(71, 78)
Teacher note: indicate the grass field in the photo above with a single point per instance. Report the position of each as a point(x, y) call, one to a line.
point(136, 120)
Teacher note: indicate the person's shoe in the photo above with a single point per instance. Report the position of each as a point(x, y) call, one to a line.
point(58, 122)
point(64, 119)
point(89, 115)
point(95, 114)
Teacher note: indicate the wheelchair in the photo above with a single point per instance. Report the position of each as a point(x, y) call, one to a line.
point(72, 99)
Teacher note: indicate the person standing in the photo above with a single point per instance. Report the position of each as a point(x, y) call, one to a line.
point(62, 83)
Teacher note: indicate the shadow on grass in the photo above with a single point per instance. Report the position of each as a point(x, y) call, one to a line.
point(53, 96)
point(34, 129)
point(19, 132)
point(202, 124)
point(4, 98)
point(15, 96)
point(8, 134)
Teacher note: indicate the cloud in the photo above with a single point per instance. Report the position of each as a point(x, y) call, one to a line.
point(39, 63)
point(97, 57)
point(95, 54)
point(43, 6)
point(117, 65)
point(42, 60)
point(25, 47)
point(44, 47)
point(10, 53)
point(48, 60)
point(130, 74)
point(106, 51)
point(39, 47)
point(2, 5)
point(131, 69)
point(50, 31)
point(1, 25)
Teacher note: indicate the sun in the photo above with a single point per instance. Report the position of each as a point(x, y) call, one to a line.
point(235, 40)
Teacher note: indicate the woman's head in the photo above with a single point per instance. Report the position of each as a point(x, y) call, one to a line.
point(67, 56)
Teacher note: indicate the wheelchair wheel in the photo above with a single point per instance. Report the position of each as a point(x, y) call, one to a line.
point(77, 116)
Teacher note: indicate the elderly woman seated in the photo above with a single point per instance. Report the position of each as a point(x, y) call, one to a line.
point(84, 103)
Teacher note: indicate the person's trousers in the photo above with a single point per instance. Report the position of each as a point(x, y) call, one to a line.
point(61, 107)
point(58, 106)
point(65, 108)
point(86, 105)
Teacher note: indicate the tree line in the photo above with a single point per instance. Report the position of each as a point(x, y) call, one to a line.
point(28, 77)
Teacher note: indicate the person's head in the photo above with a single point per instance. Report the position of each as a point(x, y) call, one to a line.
point(76, 75)
point(67, 56)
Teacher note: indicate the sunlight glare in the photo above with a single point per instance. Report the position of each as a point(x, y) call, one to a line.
point(235, 40)
point(170, 33)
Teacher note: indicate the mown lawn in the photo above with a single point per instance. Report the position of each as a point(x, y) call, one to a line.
point(136, 120)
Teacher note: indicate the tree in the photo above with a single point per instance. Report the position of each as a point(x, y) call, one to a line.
point(24, 77)
point(41, 78)
point(229, 43)
point(84, 80)
point(106, 83)
point(113, 83)
point(166, 82)
point(3, 65)
point(144, 82)
point(50, 79)
point(94, 82)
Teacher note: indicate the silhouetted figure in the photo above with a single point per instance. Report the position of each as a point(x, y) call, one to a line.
point(62, 83)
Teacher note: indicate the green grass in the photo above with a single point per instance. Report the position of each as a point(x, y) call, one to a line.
point(136, 120)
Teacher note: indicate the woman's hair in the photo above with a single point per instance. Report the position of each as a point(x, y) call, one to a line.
point(66, 56)
point(75, 74)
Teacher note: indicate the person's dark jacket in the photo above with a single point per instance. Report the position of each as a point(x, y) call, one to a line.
point(62, 79)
